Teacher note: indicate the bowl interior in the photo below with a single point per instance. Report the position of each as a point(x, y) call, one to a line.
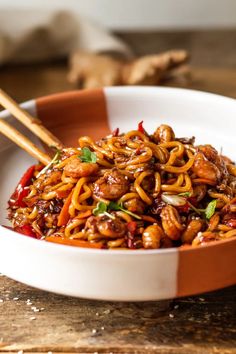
point(210, 118)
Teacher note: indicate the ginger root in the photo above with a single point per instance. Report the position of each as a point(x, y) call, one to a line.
point(97, 70)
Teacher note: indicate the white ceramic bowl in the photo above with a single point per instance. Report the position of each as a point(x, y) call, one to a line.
point(119, 275)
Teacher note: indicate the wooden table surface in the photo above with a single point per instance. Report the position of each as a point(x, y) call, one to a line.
point(35, 321)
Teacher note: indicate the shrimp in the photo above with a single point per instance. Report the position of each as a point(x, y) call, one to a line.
point(76, 169)
point(112, 185)
point(152, 236)
point(191, 231)
point(171, 222)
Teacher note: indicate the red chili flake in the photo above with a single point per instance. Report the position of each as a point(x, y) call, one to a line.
point(184, 208)
point(132, 227)
point(140, 127)
point(116, 132)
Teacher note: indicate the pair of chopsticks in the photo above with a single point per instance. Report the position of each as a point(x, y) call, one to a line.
point(33, 124)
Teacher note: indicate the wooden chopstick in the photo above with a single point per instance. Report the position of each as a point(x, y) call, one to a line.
point(23, 142)
point(33, 124)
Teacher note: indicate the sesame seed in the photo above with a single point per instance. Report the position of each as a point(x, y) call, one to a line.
point(49, 352)
point(171, 315)
point(102, 328)
point(176, 307)
point(201, 299)
point(42, 308)
point(97, 314)
point(20, 352)
point(29, 303)
point(15, 298)
point(36, 310)
point(95, 353)
point(94, 331)
point(1, 300)
point(32, 318)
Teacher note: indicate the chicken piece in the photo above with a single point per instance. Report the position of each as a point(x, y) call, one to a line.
point(135, 205)
point(76, 169)
point(203, 168)
point(212, 155)
point(105, 226)
point(112, 185)
point(199, 192)
point(163, 134)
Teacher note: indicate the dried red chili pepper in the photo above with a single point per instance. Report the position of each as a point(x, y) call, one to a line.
point(140, 127)
point(26, 230)
point(22, 190)
point(116, 132)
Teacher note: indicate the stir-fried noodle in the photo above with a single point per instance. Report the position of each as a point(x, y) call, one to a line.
point(130, 191)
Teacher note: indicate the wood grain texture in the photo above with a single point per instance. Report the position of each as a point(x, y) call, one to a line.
point(204, 324)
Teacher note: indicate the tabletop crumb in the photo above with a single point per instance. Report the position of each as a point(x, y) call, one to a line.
point(49, 352)
point(201, 299)
point(176, 307)
point(106, 312)
point(171, 315)
point(20, 352)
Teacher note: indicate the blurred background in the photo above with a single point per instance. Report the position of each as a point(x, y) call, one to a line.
point(145, 14)
point(205, 29)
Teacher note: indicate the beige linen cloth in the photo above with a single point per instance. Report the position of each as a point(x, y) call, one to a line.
point(42, 34)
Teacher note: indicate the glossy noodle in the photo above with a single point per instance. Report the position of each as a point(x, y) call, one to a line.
point(129, 191)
